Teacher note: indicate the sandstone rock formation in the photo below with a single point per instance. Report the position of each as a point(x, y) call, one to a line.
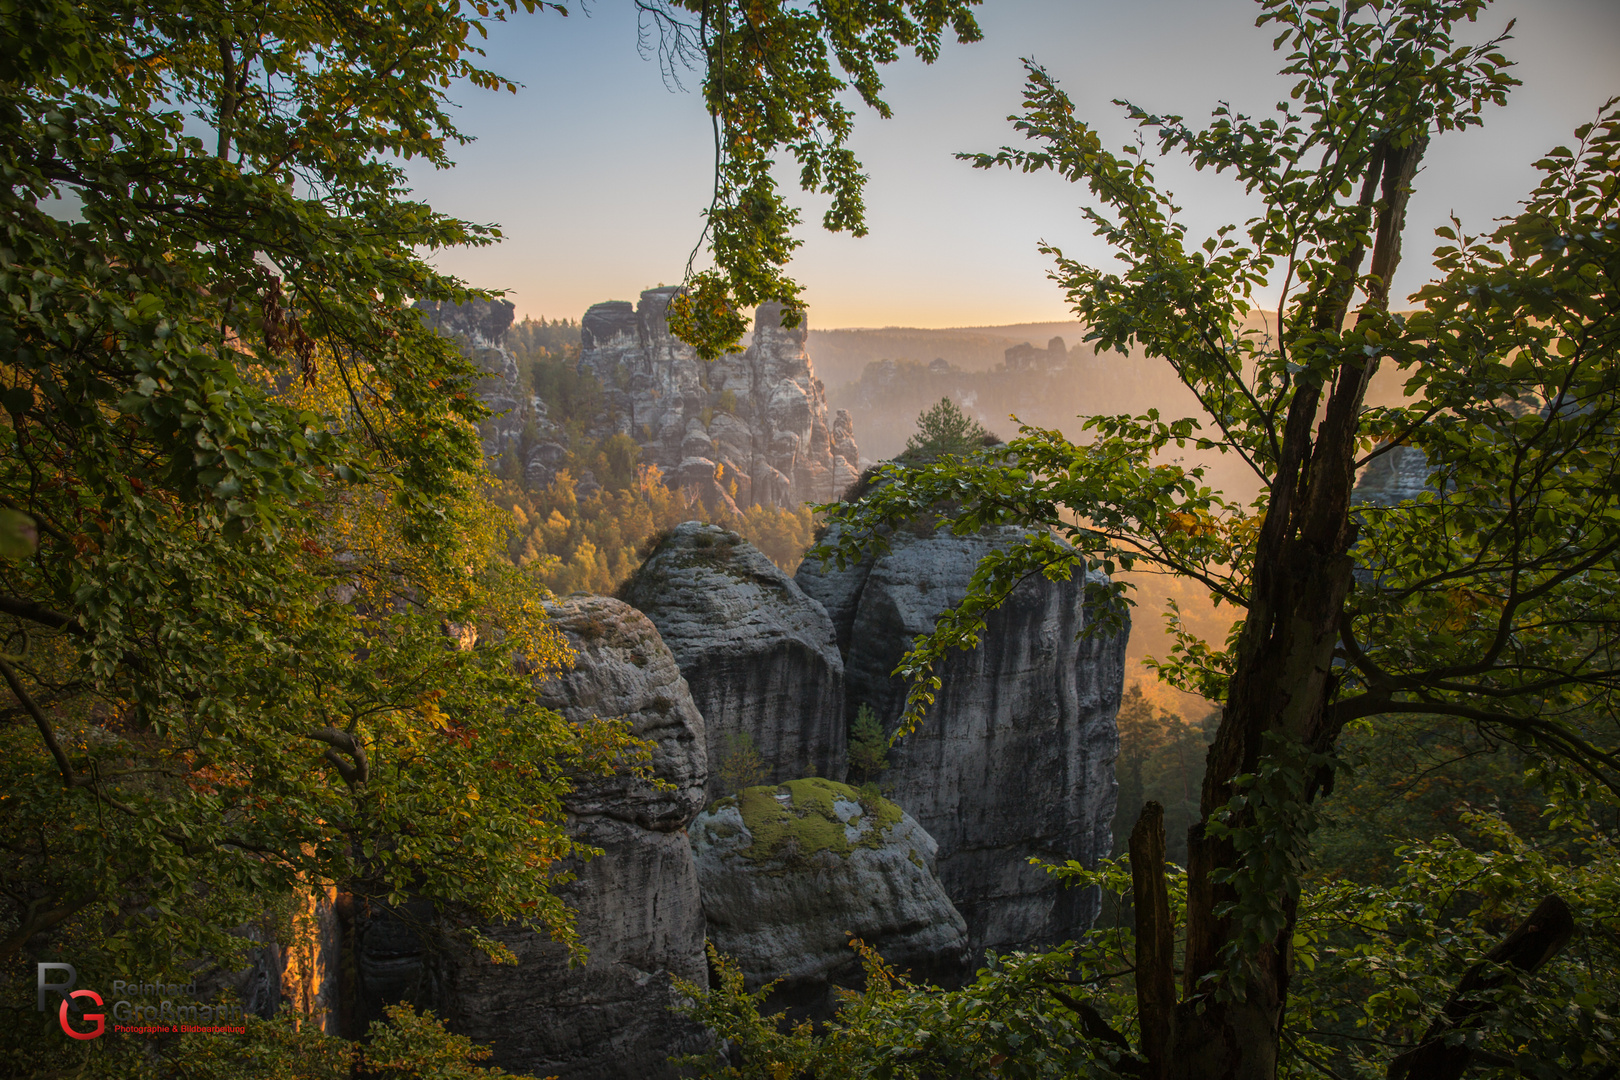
point(1400, 474)
point(480, 328)
point(639, 912)
point(758, 654)
point(789, 872)
point(1016, 759)
point(749, 429)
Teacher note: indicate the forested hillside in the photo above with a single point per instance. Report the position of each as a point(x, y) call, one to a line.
point(591, 524)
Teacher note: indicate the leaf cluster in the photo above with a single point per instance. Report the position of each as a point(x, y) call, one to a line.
point(776, 77)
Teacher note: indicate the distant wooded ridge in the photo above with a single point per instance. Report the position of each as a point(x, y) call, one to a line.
point(840, 355)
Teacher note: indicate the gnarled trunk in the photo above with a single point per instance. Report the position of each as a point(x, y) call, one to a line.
point(1228, 1023)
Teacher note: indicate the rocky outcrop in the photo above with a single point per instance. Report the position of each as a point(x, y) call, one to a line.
point(750, 428)
point(480, 326)
point(1016, 758)
point(639, 915)
point(1397, 475)
point(758, 654)
point(789, 872)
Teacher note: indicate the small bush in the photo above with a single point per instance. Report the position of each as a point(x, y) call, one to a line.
point(868, 746)
point(740, 764)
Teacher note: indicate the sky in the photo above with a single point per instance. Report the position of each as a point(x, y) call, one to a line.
point(598, 169)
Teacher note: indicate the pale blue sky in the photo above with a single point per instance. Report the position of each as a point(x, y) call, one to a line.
point(597, 171)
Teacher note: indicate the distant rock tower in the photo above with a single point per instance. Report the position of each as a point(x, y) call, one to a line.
point(750, 428)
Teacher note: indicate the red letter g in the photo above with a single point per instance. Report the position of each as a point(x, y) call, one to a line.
point(101, 1021)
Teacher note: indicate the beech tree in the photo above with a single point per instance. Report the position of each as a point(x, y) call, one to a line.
point(256, 632)
point(1489, 596)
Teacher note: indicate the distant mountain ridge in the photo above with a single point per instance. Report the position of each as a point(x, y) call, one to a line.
point(841, 355)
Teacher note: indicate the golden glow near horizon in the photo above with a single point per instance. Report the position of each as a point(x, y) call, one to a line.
point(597, 171)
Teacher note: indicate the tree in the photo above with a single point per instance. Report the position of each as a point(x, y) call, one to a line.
point(255, 625)
point(770, 84)
point(868, 747)
point(264, 640)
point(946, 429)
point(1161, 759)
point(1490, 597)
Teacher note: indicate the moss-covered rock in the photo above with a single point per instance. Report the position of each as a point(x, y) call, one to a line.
point(789, 871)
point(802, 817)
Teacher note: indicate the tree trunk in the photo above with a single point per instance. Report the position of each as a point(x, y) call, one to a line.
point(1229, 1022)
point(1155, 940)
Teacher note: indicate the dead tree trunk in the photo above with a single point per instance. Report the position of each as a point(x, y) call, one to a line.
point(1155, 940)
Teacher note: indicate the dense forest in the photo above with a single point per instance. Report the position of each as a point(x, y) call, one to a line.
point(591, 526)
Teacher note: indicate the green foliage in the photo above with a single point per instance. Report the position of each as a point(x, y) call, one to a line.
point(591, 544)
point(868, 746)
point(1017, 1019)
point(1377, 962)
point(732, 1012)
point(416, 1046)
point(1489, 598)
point(740, 764)
point(1161, 759)
point(265, 642)
point(534, 339)
point(405, 1046)
point(775, 76)
point(573, 398)
point(19, 535)
point(1412, 779)
point(943, 430)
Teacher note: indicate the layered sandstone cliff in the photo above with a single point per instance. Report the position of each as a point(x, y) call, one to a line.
point(751, 428)
point(1015, 760)
point(758, 654)
point(639, 915)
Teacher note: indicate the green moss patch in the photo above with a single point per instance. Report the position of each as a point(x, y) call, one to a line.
point(804, 823)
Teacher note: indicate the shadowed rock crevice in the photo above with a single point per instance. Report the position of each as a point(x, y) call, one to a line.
point(1015, 760)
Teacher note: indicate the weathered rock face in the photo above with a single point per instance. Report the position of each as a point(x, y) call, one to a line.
point(1016, 759)
point(1394, 477)
point(749, 429)
point(625, 669)
point(758, 654)
point(480, 328)
point(639, 912)
point(752, 428)
point(789, 872)
point(299, 973)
